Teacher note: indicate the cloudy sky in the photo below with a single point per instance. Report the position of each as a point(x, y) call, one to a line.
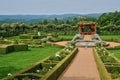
point(58, 6)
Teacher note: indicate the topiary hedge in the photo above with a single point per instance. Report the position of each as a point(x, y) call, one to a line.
point(20, 47)
point(6, 49)
point(13, 47)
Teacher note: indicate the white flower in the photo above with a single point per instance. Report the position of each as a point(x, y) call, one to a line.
point(50, 67)
point(9, 74)
point(37, 71)
point(67, 51)
point(103, 51)
point(57, 55)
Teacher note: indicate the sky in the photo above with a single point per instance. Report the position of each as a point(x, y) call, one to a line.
point(58, 6)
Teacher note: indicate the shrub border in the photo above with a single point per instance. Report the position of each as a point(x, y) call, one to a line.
point(101, 68)
point(60, 67)
point(5, 49)
point(54, 73)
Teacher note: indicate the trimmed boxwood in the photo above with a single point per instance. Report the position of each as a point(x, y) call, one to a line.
point(6, 49)
point(111, 63)
point(101, 68)
point(3, 50)
point(25, 36)
point(13, 47)
point(20, 47)
point(5, 42)
point(42, 66)
point(28, 36)
point(60, 67)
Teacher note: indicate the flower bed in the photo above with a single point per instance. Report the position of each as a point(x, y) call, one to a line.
point(110, 63)
point(47, 69)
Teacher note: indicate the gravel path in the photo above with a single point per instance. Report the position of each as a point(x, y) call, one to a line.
point(83, 67)
point(62, 43)
point(113, 44)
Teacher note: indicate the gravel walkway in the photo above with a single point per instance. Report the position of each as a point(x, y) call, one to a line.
point(83, 67)
point(113, 44)
point(62, 43)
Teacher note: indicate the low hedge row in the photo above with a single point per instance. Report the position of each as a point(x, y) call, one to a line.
point(45, 70)
point(59, 68)
point(101, 68)
point(26, 36)
point(13, 47)
point(114, 48)
point(111, 63)
point(112, 39)
point(20, 47)
point(5, 42)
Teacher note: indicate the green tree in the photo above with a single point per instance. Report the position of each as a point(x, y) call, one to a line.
point(5, 26)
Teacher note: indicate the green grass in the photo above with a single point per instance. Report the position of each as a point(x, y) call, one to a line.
point(116, 53)
point(66, 37)
point(13, 38)
point(13, 62)
point(114, 38)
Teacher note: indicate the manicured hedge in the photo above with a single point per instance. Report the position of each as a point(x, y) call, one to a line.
point(111, 63)
point(42, 68)
point(101, 68)
point(13, 47)
point(6, 49)
point(28, 36)
point(20, 47)
point(3, 50)
point(5, 42)
point(29, 75)
point(60, 67)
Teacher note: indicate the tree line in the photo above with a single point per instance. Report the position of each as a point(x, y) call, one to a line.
point(107, 23)
point(62, 26)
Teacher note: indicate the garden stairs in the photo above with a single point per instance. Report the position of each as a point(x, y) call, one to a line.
point(83, 66)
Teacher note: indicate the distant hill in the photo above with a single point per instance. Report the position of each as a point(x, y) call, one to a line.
point(34, 18)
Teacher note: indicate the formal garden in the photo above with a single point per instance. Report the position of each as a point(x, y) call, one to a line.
point(30, 52)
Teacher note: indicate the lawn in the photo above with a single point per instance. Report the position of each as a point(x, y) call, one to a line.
point(116, 53)
point(66, 37)
point(13, 38)
point(114, 38)
point(13, 62)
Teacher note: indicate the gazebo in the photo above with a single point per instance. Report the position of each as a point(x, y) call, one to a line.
point(87, 28)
